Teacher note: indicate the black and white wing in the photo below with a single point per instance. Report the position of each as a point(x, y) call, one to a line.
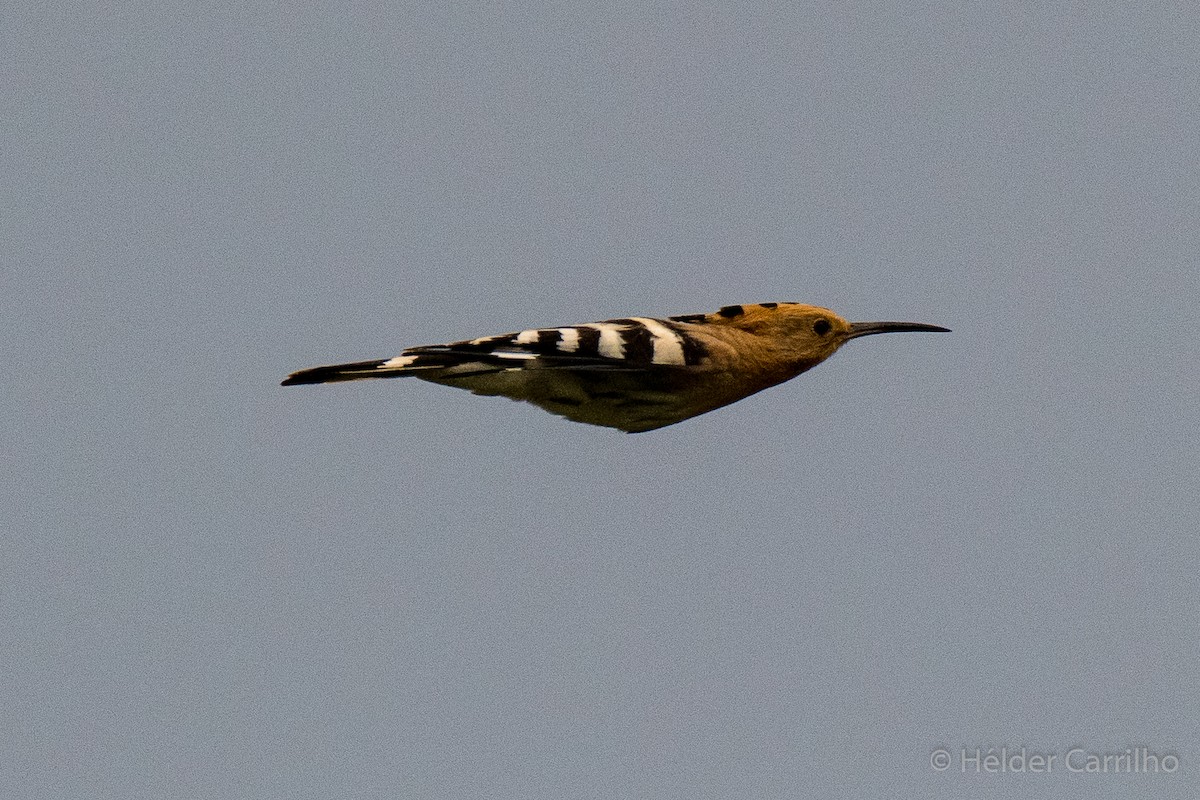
point(630, 373)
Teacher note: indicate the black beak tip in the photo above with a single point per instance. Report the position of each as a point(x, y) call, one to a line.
point(871, 328)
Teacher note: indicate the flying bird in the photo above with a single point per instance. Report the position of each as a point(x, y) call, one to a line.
point(636, 373)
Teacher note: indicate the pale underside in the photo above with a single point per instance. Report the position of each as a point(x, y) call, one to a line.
point(632, 400)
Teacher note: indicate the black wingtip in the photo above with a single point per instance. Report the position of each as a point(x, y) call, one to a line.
point(315, 375)
point(333, 373)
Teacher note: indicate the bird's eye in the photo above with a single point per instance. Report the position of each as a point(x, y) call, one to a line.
point(821, 327)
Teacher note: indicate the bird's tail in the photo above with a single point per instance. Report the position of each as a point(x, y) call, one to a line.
point(397, 367)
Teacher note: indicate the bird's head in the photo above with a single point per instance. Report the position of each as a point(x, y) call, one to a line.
point(811, 333)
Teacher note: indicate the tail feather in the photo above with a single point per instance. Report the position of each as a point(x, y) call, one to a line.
point(341, 372)
point(410, 363)
point(460, 361)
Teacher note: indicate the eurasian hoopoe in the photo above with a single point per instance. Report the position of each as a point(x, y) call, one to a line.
point(637, 373)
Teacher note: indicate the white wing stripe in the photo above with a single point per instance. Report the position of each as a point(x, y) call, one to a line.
point(568, 340)
point(668, 348)
point(611, 344)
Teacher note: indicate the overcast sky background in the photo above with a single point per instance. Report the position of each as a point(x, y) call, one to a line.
point(215, 587)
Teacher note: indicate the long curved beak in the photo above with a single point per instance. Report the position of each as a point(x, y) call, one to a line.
point(871, 328)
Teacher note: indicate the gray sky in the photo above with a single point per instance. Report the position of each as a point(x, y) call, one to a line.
point(216, 587)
